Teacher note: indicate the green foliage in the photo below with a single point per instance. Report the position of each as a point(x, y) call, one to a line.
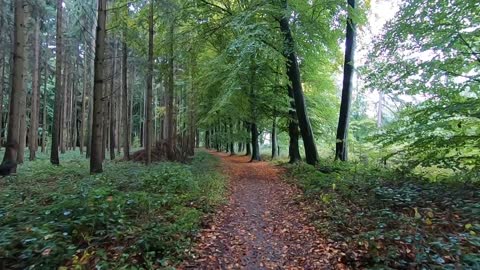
point(131, 215)
point(391, 220)
point(427, 52)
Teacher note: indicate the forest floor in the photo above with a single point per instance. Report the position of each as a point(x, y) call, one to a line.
point(263, 226)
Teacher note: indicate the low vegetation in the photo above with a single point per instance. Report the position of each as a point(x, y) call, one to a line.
point(381, 217)
point(130, 215)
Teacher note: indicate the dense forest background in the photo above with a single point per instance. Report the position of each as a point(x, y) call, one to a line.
point(111, 82)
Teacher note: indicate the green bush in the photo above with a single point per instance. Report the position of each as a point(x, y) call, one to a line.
point(393, 219)
point(130, 215)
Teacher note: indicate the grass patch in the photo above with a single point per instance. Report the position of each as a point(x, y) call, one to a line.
point(128, 217)
point(389, 220)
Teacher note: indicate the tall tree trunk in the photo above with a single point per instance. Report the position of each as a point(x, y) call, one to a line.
point(343, 121)
point(65, 96)
point(33, 143)
point(96, 158)
point(293, 72)
point(23, 103)
point(73, 118)
point(149, 97)
point(105, 134)
point(192, 142)
point(274, 138)
point(255, 144)
point(126, 114)
point(247, 142)
point(54, 159)
point(207, 139)
point(2, 74)
point(84, 99)
point(45, 104)
point(2, 78)
point(92, 85)
point(13, 135)
point(232, 143)
point(112, 102)
point(293, 132)
point(169, 122)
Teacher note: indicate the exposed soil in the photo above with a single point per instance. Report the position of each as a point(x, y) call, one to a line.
point(263, 225)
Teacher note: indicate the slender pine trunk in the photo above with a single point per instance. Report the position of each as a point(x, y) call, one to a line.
point(13, 133)
point(126, 114)
point(149, 94)
point(111, 106)
point(96, 158)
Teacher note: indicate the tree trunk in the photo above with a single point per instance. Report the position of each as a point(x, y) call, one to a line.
point(105, 113)
point(73, 118)
point(96, 158)
point(54, 159)
point(35, 89)
point(23, 103)
point(274, 138)
point(149, 97)
point(293, 132)
point(169, 122)
point(45, 111)
point(3, 57)
point(293, 72)
point(111, 106)
point(84, 100)
point(2, 78)
point(92, 85)
point(247, 142)
point(126, 114)
point(64, 114)
point(343, 121)
point(232, 148)
point(255, 144)
point(13, 135)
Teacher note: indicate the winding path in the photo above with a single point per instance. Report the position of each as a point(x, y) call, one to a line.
point(263, 225)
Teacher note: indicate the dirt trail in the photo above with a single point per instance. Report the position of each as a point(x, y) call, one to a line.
point(262, 226)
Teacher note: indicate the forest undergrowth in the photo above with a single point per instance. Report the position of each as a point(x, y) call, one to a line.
point(60, 217)
point(384, 218)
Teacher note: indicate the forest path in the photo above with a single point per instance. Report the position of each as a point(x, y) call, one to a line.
point(263, 226)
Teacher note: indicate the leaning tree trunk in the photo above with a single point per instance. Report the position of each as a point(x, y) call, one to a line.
point(343, 121)
point(33, 143)
point(13, 135)
point(149, 94)
point(293, 72)
point(54, 159)
point(96, 157)
point(293, 132)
